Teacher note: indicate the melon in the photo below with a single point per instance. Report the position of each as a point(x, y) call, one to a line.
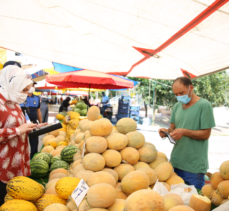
point(51, 191)
point(112, 158)
point(18, 205)
point(77, 156)
point(117, 141)
point(60, 116)
point(58, 170)
point(119, 205)
point(223, 188)
point(216, 178)
point(59, 164)
point(54, 159)
point(156, 162)
point(135, 180)
point(174, 180)
point(96, 144)
point(120, 194)
point(50, 143)
point(74, 123)
point(71, 205)
point(147, 153)
point(164, 171)
point(93, 113)
point(147, 200)
point(93, 162)
point(76, 163)
point(46, 138)
point(224, 201)
point(112, 172)
point(7, 198)
point(86, 126)
point(162, 155)
point(87, 135)
point(56, 206)
point(68, 153)
point(216, 198)
point(60, 138)
point(101, 127)
point(57, 176)
point(126, 125)
point(56, 152)
point(83, 206)
point(130, 155)
point(78, 138)
point(200, 203)
point(172, 200)
point(84, 174)
point(135, 139)
point(101, 177)
point(167, 186)
point(62, 133)
point(54, 133)
point(207, 190)
point(181, 208)
point(224, 170)
point(47, 149)
point(152, 175)
point(78, 168)
point(123, 170)
point(98, 209)
point(139, 165)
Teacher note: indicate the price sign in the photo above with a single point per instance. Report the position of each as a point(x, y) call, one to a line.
point(79, 193)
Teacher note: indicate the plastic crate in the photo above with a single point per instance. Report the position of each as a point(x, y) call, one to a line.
point(135, 118)
point(135, 108)
point(134, 113)
point(123, 102)
point(120, 116)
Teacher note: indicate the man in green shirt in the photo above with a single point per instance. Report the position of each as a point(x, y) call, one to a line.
point(191, 122)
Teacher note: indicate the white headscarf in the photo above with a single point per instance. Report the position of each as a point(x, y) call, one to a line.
point(13, 80)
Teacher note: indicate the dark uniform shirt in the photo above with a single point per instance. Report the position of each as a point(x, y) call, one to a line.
point(33, 103)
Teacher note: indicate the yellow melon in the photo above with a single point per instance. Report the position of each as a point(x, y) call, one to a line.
point(74, 123)
point(93, 113)
point(93, 162)
point(139, 165)
point(123, 170)
point(101, 195)
point(54, 133)
point(223, 188)
point(62, 143)
point(101, 177)
point(162, 155)
point(216, 178)
point(112, 172)
point(60, 116)
point(135, 180)
point(135, 139)
point(56, 206)
point(126, 125)
point(47, 149)
point(181, 208)
point(117, 141)
point(216, 198)
point(46, 138)
point(174, 180)
point(101, 127)
point(84, 174)
point(200, 203)
point(207, 190)
point(118, 205)
point(172, 200)
point(145, 200)
point(130, 155)
point(18, 205)
point(74, 115)
point(164, 171)
point(112, 158)
point(51, 143)
point(147, 153)
point(96, 144)
point(152, 175)
point(8, 198)
point(224, 170)
point(156, 162)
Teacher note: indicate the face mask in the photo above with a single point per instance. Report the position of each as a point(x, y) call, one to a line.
point(184, 99)
point(32, 90)
point(20, 98)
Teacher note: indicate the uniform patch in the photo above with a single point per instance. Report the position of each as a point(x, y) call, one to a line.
point(34, 102)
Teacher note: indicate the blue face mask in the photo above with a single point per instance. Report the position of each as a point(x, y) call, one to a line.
point(184, 99)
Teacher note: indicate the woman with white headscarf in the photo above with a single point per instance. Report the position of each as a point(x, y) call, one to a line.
point(14, 147)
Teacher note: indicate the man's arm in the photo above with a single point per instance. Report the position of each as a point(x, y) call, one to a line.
point(39, 116)
point(171, 129)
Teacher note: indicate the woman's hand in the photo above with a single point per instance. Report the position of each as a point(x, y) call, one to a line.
point(26, 128)
point(42, 125)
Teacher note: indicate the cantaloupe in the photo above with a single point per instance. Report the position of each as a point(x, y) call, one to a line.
point(147, 153)
point(18, 205)
point(93, 113)
point(152, 175)
point(156, 162)
point(101, 177)
point(61, 138)
point(216, 179)
point(117, 141)
point(57, 176)
point(56, 152)
point(167, 186)
point(135, 139)
point(51, 191)
point(59, 170)
point(164, 171)
point(126, 125)
point(62, 133)
point(82, 122)
point(172, 200)
point(47, 149)
point(181, 208)
point(83, 206)
point(147, 200)
point(101, 195)
point(84, 174)
point(87, 135)
point(130, 155)
point(112, 158)
point(47, 137)
point(120, 194)
point(93, 162)
point(56, 206)
point(223, 188)
point(207, 190)
point(54, 133)
point(76, 163)
point(139, 165)
point(101, 127)
point(118, 205)
point(200, 203)
point(78, 138)
point(123, 170)
point(98, 209)
point(162, 155)
point(134, 181)
point(224, 170)
point(112, 172)
point(78, 168)
point(86, 126)
point(174, 180)
point(97, 144)
point(71, 205)
point(216, 198)
point(77, 156)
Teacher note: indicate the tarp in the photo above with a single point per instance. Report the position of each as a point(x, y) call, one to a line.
point(100, 35)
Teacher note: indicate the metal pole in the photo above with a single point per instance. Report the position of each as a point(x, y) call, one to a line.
point(154, 102)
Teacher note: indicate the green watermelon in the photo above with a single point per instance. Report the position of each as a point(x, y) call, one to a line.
point(49, 155)
point(84, 112)
point(54, 159)
point(59, 164)
point(68, 153)
point(42, 156)
point(77, 110)
point(39, 168)
point(81, 106)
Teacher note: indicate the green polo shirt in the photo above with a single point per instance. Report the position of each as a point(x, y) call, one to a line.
point(189, 154)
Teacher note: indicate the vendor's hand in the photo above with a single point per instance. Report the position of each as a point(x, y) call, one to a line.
point(162, 134)
point(177, 134)
point(26, 128)
point(42, 125)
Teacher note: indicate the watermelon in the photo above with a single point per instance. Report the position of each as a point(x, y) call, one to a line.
point(59, 164)
point(81, 106)
point(55, 158)
point(77, 110)
point(39, 168)
point(42, 156)
point(49, 155)
point(68, 153)
point(84, 112)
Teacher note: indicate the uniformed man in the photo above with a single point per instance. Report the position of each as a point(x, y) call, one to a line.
point(33, 103)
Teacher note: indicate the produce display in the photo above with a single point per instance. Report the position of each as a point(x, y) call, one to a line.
point(116, 162)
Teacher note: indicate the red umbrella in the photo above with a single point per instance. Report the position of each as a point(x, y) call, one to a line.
point(89, 79)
